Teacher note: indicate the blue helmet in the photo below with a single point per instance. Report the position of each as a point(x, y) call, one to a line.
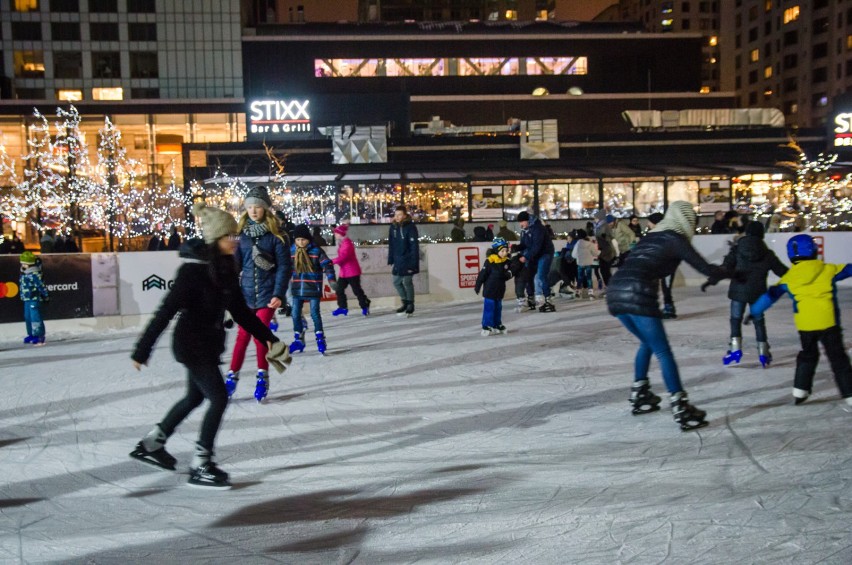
point(499, 243)
point(801, 247)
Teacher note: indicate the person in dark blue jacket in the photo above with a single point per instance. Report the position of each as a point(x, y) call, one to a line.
point(537, 256)
point(309, 264)
point(404, 256)
point(263, 259)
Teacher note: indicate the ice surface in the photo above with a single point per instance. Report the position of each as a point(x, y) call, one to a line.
point(419, 440)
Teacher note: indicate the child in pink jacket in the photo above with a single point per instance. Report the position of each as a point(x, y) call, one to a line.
point(350, 274)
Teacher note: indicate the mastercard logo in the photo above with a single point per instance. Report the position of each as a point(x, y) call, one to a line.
point(8, 290)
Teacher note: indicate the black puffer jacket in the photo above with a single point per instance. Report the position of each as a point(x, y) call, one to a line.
point(635, 287)
point(493, 276)
point(750, 261)
point(199, 335)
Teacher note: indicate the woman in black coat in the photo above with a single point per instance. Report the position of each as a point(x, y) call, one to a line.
point(632, 298)
point(204, 288)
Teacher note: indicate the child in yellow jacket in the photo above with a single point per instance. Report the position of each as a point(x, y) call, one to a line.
point(811, 284)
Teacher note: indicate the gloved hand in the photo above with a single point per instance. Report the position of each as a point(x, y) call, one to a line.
point(229, 322)
point(333, 284)
point(747, 319)
point(279, 356)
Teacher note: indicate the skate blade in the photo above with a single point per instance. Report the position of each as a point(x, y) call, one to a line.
point(690, 427)
point(210, 486)
point(152, 462)
point(642, 410)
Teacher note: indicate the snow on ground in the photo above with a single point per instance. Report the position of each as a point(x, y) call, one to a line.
point(418, 440)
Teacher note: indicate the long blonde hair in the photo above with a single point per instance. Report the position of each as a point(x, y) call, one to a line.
point(271, 223)
point(303, 260)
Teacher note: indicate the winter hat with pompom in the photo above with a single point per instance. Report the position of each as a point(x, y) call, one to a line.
point(341, 230)
point(215, 223)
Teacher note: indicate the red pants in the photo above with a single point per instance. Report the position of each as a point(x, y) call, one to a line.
point(243, 337)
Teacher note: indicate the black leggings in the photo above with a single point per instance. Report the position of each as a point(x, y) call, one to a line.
point(202, 381)
point(355, 283)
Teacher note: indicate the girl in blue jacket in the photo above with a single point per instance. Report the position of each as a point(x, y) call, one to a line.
point(309, 264)
point(264, 261)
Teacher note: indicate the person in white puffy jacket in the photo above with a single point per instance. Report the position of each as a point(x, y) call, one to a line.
point(586, 253)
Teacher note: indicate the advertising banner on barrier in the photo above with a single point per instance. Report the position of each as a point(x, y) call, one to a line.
point(68, 278)
point(144, 279)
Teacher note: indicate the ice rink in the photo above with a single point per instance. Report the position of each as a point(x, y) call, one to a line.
point(419, 441)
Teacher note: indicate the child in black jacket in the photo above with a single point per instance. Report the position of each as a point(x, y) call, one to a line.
point(205, 286)
point(492, 281)
point(750, 260)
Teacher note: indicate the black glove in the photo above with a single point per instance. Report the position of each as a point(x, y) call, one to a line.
point(747, 319)
point(705, 285)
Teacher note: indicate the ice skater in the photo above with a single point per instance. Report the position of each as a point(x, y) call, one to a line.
point(350, 274)
point(205, 287)
point(812, 284)
point(404, 256)
point(749, 261)
point(585, 253)
point(33, 293)
point(263, 257)
point(492, 282)
point(633, 299)
point(309, 263)
point(537, 255)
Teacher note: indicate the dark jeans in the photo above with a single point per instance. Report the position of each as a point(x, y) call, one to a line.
point(606, 271)
point(298, 301)
point(542, 269)
point(584, 277)
point(355, 283)
point(492, 313)
point(652, 340)
point(808, 358)
point(523, 281)
point(203, 381)
point(737, 312)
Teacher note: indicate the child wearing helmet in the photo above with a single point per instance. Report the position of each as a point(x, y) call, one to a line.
point(492, 281)
point(33, 293)
point(811, 284)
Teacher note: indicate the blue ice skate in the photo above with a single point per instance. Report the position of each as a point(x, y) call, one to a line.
point(273, 325)
point(764, 354)
point(735, 353)
point(340, 312)
point(298, 344)
point(262, 387)
point(321, 346)
point(231, 383)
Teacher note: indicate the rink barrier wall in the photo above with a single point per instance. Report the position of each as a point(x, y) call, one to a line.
point(112, 290)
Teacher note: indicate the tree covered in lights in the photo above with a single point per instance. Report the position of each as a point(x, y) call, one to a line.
point(9, 190)
point(819, 196)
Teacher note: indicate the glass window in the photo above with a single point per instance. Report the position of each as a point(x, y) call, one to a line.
point(29, 64)
point(649, 198)
point(307, 203)
point(369, 203)
point(791, 14)
point(65, 31)
point(143, 64)
point(142, 32)
point(67, 64)
point(618, 198)
point(682, 189)
point(115, 93)
point(553, 201)
point(29, 93)
point(103, 6)
point(106, 64)
point(103, 31)
point(557, 65)
point(66, 6)
point(24, 5)
point(437, 201)
point(26, 31)
point(141, 6)
point(583, 199)
point(69, 95)
point(517, 198)
point(142, 93)
point(754, 56)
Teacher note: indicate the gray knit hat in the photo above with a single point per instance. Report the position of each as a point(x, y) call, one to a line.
point(258, 196)
point(215, 223)
point(680, 218)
